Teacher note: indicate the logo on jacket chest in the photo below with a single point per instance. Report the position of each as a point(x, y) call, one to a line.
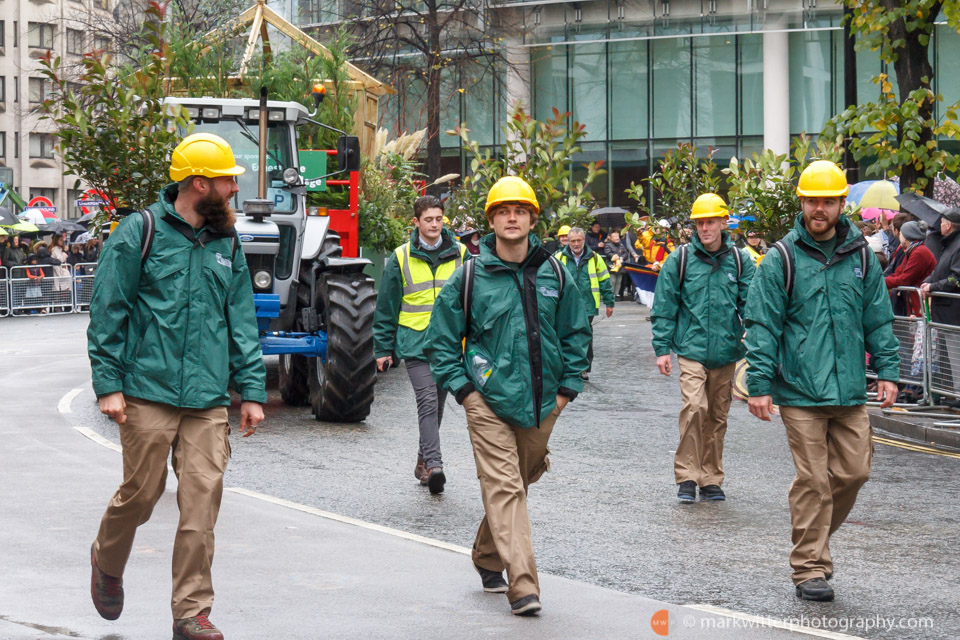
point(857, 271)
point(227, 262)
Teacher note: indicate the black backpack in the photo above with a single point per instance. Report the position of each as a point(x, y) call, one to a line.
point(790, 267)
point(466, 284)
point(684, 249)
point(149, 230)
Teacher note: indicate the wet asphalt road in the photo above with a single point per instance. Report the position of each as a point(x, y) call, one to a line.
point(607, 513)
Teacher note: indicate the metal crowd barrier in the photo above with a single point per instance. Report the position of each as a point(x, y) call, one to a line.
point(4, 293)
point(943, 349)
point(83, 274)
point(34, 289)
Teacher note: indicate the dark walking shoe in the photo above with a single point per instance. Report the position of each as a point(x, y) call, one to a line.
point(687, 492)
point(712, 492)
point(106, 591)
point(493, 581)
point(815, 589)
point(526, 606)
point(420, 471)
point(198, 627)
point(584, 375)
point(436, 480)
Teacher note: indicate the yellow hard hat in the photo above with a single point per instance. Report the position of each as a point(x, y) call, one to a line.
point(203, 154)
point(563, 231)
point(446, 220)
point(709, 205)
point(822, 179)
point(511, 189)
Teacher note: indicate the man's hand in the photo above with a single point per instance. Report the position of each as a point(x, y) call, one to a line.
point(925, 290)
point(384, 363)
point(251, 414)
point(609, 311)
point(761, 406)
point(664, 364)
point(562, 402)
point(113, 405)
point(888, 389)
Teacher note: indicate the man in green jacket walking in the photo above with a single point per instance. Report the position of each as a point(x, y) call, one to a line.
point(699, 320)
point(167, 336)
point(589, 271)
point(412, 279)
point(526, 342)
point(817, 305)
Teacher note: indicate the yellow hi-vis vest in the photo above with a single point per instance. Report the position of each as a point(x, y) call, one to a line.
point(596, 269)
point(421, 285)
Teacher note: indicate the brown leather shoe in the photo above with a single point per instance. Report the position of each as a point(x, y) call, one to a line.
point(106, 591)
point(420, 471)
point(198, 627)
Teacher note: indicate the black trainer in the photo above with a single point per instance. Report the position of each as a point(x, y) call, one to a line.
point(493, 581)
point(436, 480)
point(687, 491)
point(815, 589)
point(526, 606)
point(712, 492)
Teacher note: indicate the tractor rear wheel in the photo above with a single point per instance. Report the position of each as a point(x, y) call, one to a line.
point(341, 389)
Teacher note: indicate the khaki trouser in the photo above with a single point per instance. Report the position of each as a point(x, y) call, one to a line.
point(832, 450)
point(706, 395)
point(201, 448)
point(509, 459)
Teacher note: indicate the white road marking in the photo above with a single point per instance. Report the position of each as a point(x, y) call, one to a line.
point(64, 405)
point(358, 523)
point(771, 622)
point(99, 439)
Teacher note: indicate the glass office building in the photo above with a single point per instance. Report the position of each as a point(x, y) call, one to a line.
point(735, 75)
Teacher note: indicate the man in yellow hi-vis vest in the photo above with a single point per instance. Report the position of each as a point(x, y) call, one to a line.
point(412, 279)
point(592, 277)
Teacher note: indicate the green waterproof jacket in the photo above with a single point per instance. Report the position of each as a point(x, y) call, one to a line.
point(181, 329)
point(702, 319)
point(526, 339)
point(581, 273)
point(389, 338)
point(809, 350)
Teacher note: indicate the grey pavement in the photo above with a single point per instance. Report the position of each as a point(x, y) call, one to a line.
point(279, 572)
point(614, 544)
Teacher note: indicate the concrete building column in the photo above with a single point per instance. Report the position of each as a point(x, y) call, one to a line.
point(776, 92)
point(518, 74)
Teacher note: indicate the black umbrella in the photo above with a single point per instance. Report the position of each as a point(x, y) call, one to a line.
point(61, 226)
point(7, 217)
point(610, 216)
point(926, 209)
point(86, 219)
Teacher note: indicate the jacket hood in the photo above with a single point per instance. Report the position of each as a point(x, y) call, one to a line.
point(725, 242)
point(447, 238)
point(847, 233)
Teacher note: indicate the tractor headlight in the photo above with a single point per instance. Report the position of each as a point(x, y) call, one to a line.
point(262, 279)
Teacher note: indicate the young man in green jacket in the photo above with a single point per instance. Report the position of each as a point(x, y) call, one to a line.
point(167, 336)
point(589, 271)
point(808, 330)
point(412, 279)
point(526, 342)
point(699, 320)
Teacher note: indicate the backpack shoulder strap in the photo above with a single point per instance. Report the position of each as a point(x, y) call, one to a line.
point(558, 271)
point(466, 291)
point(146, 235)
point(738, 258)
point(788, 265)
point(683, 265)
point(864, 261)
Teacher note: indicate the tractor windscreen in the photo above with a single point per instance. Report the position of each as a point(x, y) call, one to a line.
point(243, 140)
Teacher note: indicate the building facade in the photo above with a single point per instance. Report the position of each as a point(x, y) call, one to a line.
point(737, 76)
point(29, 30)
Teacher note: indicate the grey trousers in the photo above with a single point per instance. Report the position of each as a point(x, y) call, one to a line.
point(430, 399)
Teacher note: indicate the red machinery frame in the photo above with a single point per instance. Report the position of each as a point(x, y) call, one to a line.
point(345, 221)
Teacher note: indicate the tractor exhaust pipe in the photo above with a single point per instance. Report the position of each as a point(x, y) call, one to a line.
point(262, 162)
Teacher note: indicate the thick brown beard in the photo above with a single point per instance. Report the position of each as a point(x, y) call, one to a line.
point(216, 211)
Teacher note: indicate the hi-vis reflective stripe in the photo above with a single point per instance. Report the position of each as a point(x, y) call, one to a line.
point(596, 269)
point(421, 286)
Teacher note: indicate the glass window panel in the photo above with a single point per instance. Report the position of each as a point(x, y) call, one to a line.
point(413, 115)
point(449, 106)
point(389, 118)
point(751, 84)
point(628, 90)
point(592, 152)
point(715, 69)
point(810, 80)
point(550, 78)
point(479, 96)
point(588, 88)
point(628, 163)
point(948, 66)
point(671, 88)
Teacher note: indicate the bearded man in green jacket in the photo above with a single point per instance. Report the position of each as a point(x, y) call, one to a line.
point(168, 334)
point(526, 344)
point(817, 305)
point(698, 318)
